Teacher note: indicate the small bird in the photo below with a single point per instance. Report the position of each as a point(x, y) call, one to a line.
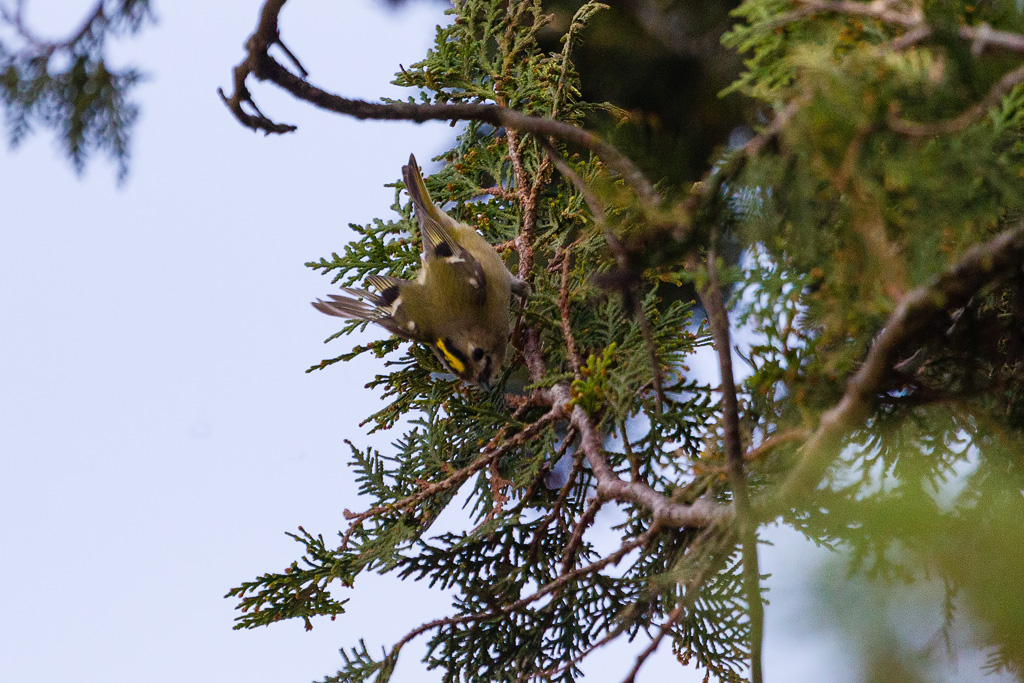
point(460, 303)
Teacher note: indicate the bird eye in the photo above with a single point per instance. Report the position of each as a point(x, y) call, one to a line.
point(478, 354)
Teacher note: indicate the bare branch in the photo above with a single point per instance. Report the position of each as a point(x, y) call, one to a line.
point(260, 64)
point(665, 512)
point(265, 35)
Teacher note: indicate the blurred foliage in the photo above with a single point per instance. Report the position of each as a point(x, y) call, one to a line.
point(845, 214)
point(661, 64)
point(930, 573)
point(67, 84)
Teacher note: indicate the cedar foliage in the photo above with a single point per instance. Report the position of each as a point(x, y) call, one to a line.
point(838, 215)
point(524, 509)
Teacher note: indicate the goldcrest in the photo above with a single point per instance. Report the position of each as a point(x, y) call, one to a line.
point(460, 303)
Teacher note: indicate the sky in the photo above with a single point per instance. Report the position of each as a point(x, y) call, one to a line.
point(158, 432)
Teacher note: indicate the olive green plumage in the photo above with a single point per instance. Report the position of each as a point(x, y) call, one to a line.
point(459, 305)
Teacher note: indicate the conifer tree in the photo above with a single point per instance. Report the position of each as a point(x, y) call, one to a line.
point(67, 84)
point(877, 407)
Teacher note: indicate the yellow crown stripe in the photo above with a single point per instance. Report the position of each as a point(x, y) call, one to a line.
point(456, 364)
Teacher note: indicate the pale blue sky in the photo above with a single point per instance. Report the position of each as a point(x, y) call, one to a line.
point(157, 430)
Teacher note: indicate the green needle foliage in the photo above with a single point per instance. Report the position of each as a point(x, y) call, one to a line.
point(869, 237)
point(879, 407)
point(525, 504)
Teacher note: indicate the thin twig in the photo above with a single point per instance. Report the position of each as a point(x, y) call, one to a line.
point(691, 592)
point(565, 665)
point(542, 473)
point(553, 585)
point(563, 495)
point(634, 462)
point(565, 318)
point(781, 120)
point(569, 556)
point(294, 60)
point(454, 480)
point(499, 192)
point(774, 441)
point(709, 189)
point(621, 260)
point(666, 626)
point(49, 47)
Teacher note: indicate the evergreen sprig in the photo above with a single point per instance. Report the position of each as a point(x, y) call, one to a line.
point(875, 230)
point(527, 514)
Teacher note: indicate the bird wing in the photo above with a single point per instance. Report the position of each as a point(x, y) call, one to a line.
point(384, 309)
point(436, 229)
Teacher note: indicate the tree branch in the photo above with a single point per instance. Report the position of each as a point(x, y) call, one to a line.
point(260, 64)
point(951, 289)
point(971, 115)
point(555, 584)
point(981, 36)
point(718, 317)
point(456, 479)
point(666, 513)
